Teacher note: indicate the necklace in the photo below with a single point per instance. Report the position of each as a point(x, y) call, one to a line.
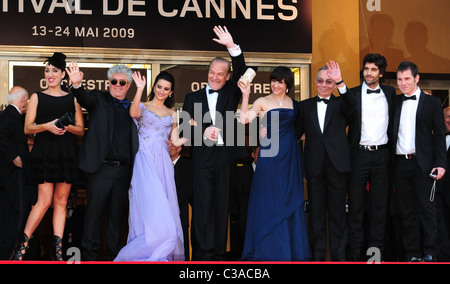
point(280, 103)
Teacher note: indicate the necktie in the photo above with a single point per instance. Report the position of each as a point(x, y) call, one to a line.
point(326, 101)
point(125, 102)
point(405, 98)
point(369, 91)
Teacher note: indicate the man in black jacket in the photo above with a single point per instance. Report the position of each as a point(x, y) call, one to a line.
point(420, 150)
point(323, 120)
point(107, 156)
point(214, 150)
point(370, 106)
point(14, 200)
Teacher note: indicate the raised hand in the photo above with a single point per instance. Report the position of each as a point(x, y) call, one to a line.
point(74, 73)
point(334, 71)
point(224, 37)
point(139, 80)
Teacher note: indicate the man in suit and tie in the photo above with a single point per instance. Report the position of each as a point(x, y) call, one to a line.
point(370, 105)
point(214, 152)
point(14, 199)
point(107, 156)
point(420, 150)
point(323, 120)
point(184, 184)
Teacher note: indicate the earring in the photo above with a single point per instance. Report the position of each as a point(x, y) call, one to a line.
point(287, 91)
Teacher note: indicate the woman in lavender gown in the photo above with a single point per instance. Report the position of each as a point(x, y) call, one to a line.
point(155, 232)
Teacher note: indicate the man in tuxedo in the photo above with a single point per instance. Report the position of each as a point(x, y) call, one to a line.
point(107, 156)
point(214, 152)
point(419, 148)
point(14, 200)
point(184, 184)
point(443, 200)
point(323, 120)
point(370, 106)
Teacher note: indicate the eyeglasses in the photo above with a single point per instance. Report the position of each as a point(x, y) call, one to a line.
point(121, 82)
point(327, 82)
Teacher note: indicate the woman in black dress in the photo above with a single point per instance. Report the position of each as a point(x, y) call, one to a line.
point(53, 163)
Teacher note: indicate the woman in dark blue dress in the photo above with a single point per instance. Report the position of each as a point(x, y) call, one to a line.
point(276, 224)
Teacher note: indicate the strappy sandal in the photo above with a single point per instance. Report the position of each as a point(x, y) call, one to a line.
point(57, 249)
point(20, 249)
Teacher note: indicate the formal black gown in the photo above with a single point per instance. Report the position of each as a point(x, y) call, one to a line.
point(276, 224)
point(53, 158)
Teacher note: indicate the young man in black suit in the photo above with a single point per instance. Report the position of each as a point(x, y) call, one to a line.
point(107, 156)
point(420, 150)
point(443, 200)
point(213, 151)
point(370, 107)
point(14, 201)
point(323, 120)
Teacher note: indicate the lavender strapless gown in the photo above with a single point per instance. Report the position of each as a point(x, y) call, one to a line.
point(155, 232)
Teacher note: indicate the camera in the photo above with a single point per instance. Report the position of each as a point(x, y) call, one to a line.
point(65, 120)
point(433, 175)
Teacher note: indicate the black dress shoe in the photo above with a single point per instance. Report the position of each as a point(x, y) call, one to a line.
point(429, 258)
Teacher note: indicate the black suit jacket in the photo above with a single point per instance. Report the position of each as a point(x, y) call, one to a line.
point(227, 101)
point(353, 101)
point(333, 141)
point(98, 138)
point(184, 184)
point(13, 143)
point(430, 132)
point(444, 184)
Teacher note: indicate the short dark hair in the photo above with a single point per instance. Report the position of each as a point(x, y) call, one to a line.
point(169, 102)
point(282, 72)
point(408, 65)
point(377, 59)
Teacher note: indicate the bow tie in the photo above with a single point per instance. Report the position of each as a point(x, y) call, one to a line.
point(326, 101)
point(125, 102)
point(211, 91)
point(405, 98)
point(448, 133)
point(369, 91)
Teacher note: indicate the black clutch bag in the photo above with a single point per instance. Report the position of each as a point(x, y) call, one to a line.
point(65, 120)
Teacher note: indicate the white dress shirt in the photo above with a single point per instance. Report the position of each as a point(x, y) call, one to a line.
point(406, 143)
point(321, 112)
point(374, 116)
point(212, 98)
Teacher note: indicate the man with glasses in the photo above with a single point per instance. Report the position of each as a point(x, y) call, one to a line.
point(324, 121)
point(106, 155)
point(371, 106)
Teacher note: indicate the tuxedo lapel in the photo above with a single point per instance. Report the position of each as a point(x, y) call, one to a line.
point(315, 114)
point(397, 114)
point(420, 106)
point(329, 113)
point(358, 100)
point(221, 101)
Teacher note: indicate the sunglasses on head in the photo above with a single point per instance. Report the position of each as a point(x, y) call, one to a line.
point(121, 82)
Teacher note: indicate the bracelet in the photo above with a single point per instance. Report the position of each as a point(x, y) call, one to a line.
point(140, 86)
point(340, 82)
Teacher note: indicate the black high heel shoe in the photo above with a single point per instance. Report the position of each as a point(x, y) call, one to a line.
point(57, 249)
point(20, 249)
